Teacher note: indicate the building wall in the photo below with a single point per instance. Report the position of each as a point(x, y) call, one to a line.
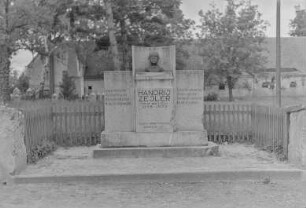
point(286, 88)
point(249, 87)
point(35, 73)
point(97, 86)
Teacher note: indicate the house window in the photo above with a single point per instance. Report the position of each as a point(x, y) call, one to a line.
point(293, 84)
point(89, 90)
point(221, 86)
point(265, 84)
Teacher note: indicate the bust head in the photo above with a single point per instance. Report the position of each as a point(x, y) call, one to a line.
point(153, 58)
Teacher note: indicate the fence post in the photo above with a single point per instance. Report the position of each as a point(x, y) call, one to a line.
point(286, 133)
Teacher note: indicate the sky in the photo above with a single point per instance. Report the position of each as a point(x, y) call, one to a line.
point(266, 7)
point(191, 8)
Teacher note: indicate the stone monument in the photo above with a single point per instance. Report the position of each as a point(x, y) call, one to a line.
point(154, 106)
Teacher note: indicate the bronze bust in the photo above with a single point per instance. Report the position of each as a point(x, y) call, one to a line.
point(153, 59)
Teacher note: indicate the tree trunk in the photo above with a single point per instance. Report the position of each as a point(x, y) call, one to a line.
point(5, 64)
point(111, 33)
point(5, 55)
point(125, 49)
point(46, 68)
point(230, 85)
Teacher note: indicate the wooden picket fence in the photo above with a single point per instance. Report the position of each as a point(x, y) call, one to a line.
point(78, 123)
point(38, 126)
point(265, 126)
point(81, 123)
point(270, 128)
point(230, 122)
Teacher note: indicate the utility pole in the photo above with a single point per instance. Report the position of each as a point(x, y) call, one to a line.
point(278, 56)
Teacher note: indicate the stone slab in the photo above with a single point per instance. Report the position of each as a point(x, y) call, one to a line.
point(132, 139)
point(143, 152)
point(13, 156)
point(190, 100)
point(119, 101)
point(297, 138)
point(178, 177)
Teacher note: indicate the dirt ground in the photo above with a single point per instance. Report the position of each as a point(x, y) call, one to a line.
point(273, 194)
point(238, 193)
point(79, 161)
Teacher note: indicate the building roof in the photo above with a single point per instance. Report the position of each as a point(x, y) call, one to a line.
point(293, 54)
point(283, 70)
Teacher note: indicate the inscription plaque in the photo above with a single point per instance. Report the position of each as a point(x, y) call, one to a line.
point(118, 101)
point(190, 98)
point(154, 109)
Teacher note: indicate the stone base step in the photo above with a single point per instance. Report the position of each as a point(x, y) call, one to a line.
point(143, 152)
point(154, 139)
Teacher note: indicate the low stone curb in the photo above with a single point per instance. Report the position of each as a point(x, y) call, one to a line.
point(256, 174)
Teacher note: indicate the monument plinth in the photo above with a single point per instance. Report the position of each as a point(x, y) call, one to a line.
point(154, 105)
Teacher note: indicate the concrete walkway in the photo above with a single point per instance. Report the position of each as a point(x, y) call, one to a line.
point(236, 161)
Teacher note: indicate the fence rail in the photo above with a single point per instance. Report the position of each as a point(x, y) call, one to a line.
point(81, 123)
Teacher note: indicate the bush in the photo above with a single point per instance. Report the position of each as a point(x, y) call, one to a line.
point(40, 151)
point(68, 89)
point(211, 97)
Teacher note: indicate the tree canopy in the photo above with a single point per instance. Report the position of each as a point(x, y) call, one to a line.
point(231, 42)
point(42, 26)
point(298, 24)
point(14, 20)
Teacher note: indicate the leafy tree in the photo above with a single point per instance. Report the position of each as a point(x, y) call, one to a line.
point(152, 23)
point(111, 33)
point(49, 29)
point(136, 22)
point(298, 24)
point(231, 41)
point(68, 87)
point(23, 83)
point(14, 19)
point(13, 80)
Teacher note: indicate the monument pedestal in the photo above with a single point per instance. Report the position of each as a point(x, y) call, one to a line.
point(145, 152)
point(166, 139)
point(154, 113)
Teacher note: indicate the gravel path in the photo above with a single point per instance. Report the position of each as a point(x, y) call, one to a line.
point(273, 194)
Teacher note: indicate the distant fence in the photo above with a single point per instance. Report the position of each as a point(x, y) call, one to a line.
point(81, 123)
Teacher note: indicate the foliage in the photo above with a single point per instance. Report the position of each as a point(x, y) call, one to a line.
point(23, 83)
point(40, 151)
point(14, 20)
point(68, 88)
point(138, 22)
point(231, 42)
point(13, 80)
point(298, 24)
point(211, 97)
